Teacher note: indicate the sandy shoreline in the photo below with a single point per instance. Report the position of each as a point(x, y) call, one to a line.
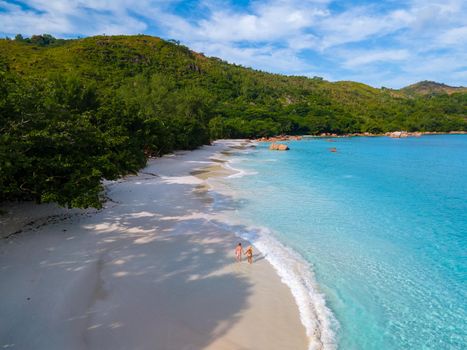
point(150, 271)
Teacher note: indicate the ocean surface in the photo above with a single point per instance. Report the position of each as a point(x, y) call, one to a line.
point(372, 239)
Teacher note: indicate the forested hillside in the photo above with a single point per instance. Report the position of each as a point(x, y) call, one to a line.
point(431, 88)
point(73, 112)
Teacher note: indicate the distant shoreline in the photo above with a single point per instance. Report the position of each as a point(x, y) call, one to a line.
point(393, 134)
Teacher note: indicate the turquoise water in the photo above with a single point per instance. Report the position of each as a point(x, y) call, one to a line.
point(382, 223)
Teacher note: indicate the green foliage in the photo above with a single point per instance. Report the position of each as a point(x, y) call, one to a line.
point(40, 40)
point(73, 112)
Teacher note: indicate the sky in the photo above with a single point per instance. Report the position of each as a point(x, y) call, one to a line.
point(381, 43)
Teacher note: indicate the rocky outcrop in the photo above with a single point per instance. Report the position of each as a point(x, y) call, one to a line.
point(402, 134)
point(392, 134)
point(395, 134)
point(279, 138)
point(278, 147)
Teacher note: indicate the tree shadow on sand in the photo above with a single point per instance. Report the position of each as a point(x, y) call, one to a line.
point(141, 280)
point(154, 301)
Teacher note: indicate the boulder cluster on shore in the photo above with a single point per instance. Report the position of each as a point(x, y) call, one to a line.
point(402, 134)
point(279, 138)
point(393, 134)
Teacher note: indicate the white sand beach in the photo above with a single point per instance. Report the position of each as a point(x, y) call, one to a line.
point(152, 270)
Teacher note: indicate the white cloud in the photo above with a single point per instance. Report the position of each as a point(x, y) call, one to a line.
point(265, 58)
point(303, 42)
point(359, 58)
point(455, 36)
point(437, 64)
point(272, 21)
point(359, 24)
point(74, 17)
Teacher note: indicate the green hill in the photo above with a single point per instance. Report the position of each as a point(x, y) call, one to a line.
point(431, 87)
point(75, 111)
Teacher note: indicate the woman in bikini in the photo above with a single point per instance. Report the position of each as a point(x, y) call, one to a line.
point(249, 254)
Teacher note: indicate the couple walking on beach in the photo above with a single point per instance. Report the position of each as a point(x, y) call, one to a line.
point(248, 253)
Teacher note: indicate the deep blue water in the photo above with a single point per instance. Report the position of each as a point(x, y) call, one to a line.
point(383, 223)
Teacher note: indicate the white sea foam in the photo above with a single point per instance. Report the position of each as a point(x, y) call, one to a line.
point(294, 271)
point(237, 172)
point(237, 160)
point(298, 275)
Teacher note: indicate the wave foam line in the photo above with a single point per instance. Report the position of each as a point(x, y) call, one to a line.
point(297, 274)
point(236, 171)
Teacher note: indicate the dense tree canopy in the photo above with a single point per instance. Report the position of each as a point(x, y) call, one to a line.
point(73, 112)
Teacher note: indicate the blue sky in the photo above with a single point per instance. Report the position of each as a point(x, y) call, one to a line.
point(381, 43)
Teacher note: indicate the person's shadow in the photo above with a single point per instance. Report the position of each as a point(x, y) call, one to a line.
point(259, 257)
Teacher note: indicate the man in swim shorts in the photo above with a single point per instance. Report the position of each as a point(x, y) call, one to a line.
point(238, 252)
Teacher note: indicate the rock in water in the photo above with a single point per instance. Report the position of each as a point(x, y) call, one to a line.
point(278, 147)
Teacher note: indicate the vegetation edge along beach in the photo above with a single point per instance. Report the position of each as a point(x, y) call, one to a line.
point(74, 112)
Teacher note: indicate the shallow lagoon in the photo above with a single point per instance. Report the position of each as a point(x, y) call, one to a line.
point(383, 224)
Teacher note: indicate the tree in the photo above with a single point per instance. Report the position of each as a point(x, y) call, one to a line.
point(42, 40)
